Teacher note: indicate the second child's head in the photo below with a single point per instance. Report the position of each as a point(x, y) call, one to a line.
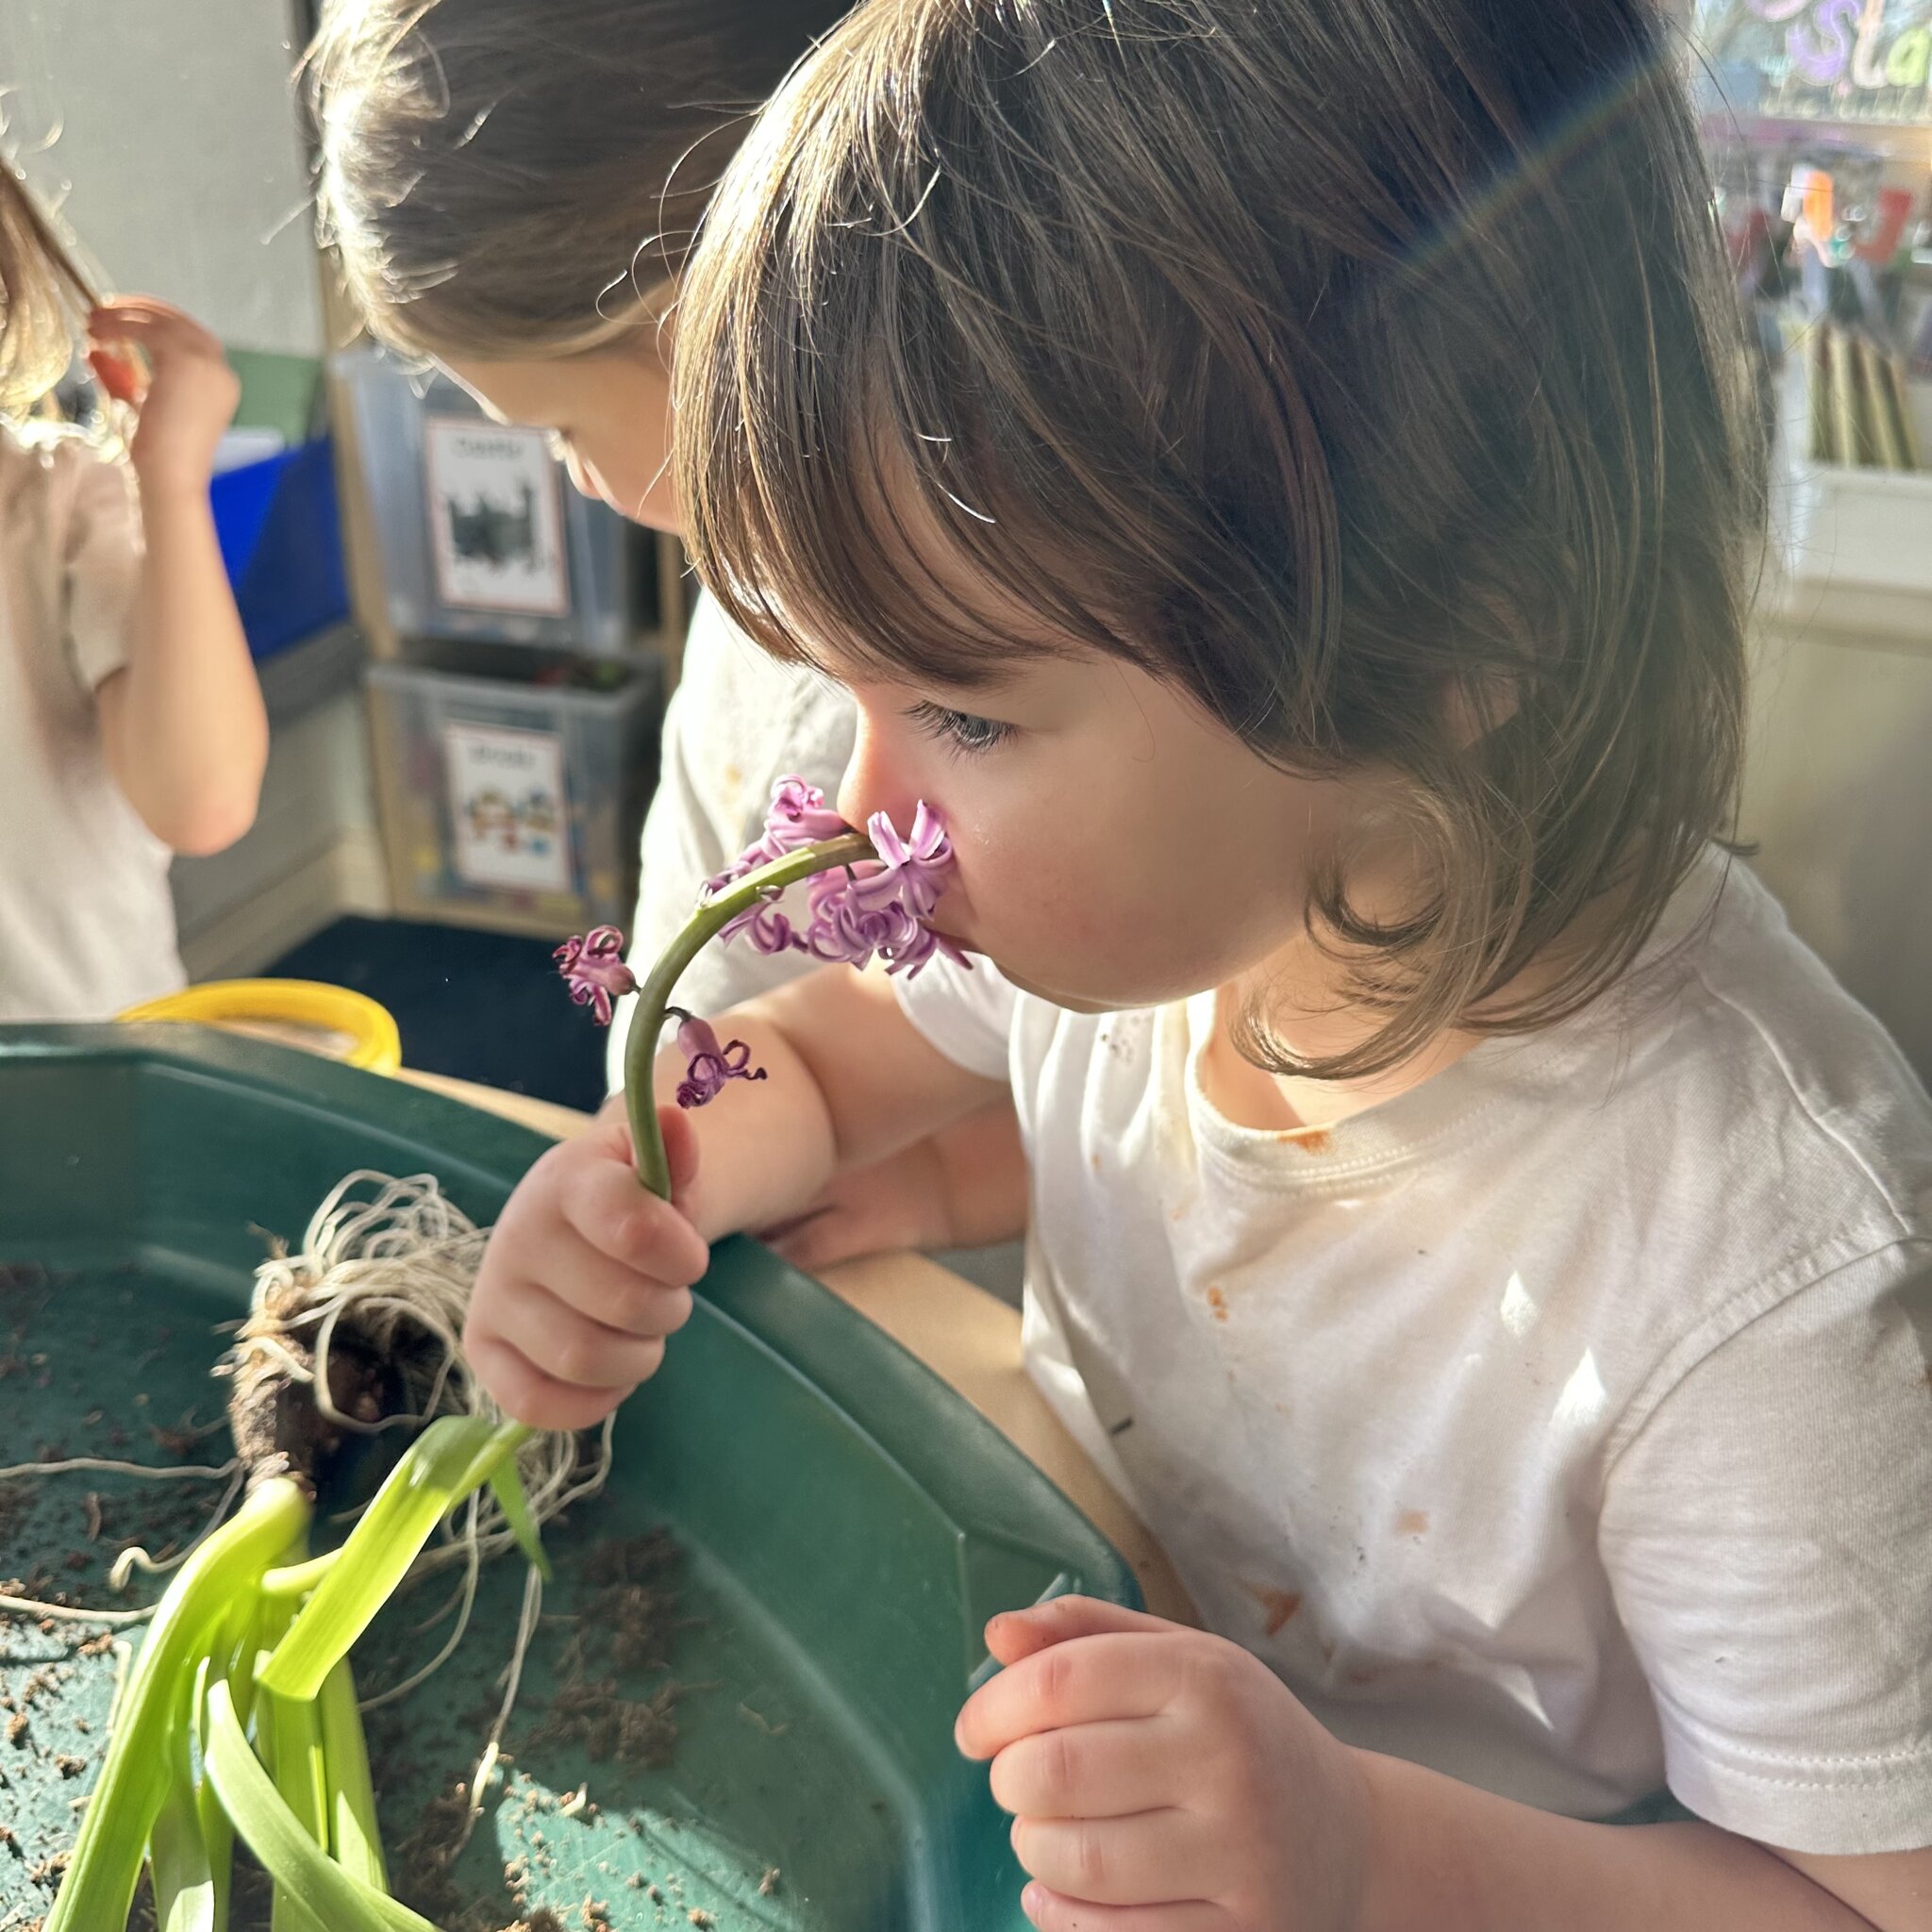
point(513, 186)
point(1275, 475)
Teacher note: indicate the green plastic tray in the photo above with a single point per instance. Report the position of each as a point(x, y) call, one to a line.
point(847, 1523)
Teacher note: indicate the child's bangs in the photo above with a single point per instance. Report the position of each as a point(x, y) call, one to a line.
point(836, 539)
point(880, 508)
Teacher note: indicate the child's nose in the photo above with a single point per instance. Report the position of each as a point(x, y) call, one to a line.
point(872, 782)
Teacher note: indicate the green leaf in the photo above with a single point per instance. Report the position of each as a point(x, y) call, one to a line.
point(189, 1894)
point(355, 1837)
point(443, 1464)
point(291, 1858)
point(298, 1776)
point(98, 1888)
point(507, 1486)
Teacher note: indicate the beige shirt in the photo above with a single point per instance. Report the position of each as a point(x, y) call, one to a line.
point(86, 926)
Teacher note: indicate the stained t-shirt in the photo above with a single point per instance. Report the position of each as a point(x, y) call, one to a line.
point(1564, 1424)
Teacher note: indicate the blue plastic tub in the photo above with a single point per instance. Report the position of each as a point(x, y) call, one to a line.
point(281, 537)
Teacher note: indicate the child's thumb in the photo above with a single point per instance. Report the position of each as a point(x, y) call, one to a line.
point(680, 1150)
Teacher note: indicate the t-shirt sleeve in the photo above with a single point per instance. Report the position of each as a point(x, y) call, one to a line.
point(100, 567)
point(966, 1013)
point(1768, 1537)
point(738, 723)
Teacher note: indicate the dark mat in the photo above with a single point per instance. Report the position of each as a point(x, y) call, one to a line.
point(479, 1006)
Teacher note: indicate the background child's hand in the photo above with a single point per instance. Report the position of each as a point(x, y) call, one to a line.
point(586, 1273)
point(191, 392)
point(1163, 1780)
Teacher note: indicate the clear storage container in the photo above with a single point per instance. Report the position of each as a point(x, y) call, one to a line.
point(514, 800)
point(477, 532)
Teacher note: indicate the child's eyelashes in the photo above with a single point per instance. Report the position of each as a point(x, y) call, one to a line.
point(963, 730)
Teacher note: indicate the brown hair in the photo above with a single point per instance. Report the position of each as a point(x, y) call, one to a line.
point(1364, 367)
point(44, 299)
point(517, 177)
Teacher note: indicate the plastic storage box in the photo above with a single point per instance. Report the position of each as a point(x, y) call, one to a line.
point(514, 800)
point(479, 534)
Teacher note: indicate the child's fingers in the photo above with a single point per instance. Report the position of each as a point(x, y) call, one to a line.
point(149, 313)
point(1054, 1912)
point(120, 372)
point(1015, 1634)
point(570, 1348)
point(1087, 1681)
point(1153, 1858)
point(605, 1203)
point(523, 1391)
point(1110, 1770)
point(610, 1293)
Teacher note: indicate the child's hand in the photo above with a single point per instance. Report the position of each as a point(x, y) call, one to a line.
point(960, 1188)
point(192, 392)
point(1163, 1780)
point(586, 1273)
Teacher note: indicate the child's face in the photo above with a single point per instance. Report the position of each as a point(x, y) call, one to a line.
point(609, 408)
point(1116, 847)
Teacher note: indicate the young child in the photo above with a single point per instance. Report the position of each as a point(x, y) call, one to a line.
point(541, 272)
point(131, 723)
point(1278, 481)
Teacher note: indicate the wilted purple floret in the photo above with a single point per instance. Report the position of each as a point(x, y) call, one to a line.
point(593, 969)
point(856, 910)
point(711, 1065)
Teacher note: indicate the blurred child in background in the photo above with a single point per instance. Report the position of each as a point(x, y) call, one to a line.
point(131, 722)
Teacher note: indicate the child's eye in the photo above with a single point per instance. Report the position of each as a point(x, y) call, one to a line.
point(960, 729)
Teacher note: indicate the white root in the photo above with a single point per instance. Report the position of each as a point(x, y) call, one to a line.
point(395, 1261)
point(392, 1261)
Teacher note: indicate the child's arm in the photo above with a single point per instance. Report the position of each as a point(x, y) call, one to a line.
point(587, 1274)
point(183, 724)
point(960, 1188)
point(1164, 1780)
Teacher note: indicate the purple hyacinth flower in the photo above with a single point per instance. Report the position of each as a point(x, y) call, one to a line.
point(711, 1065)
point(856, 910)
point(593, 969)
point(883, 908)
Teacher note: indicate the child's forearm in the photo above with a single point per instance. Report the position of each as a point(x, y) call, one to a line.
point(848, 1081)
point(186, 730)
point(1457, 1860)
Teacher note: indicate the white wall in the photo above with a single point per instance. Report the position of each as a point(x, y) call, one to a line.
point(170, 128)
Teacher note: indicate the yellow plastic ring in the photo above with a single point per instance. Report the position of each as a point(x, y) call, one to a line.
point(371, 1030)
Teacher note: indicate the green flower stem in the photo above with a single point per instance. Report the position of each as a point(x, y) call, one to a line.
point(98, 1887)
point(653, 995)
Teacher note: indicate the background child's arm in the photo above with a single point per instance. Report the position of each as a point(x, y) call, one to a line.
point(587, 1274)
point(184, 727)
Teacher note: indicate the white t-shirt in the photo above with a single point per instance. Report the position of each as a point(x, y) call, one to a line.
point(1564, 1425)
point(87, 925)
point(738, 723)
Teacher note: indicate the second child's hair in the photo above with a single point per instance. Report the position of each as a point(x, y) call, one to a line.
point(1366, 368)
point(44, 299)
point(519, 178)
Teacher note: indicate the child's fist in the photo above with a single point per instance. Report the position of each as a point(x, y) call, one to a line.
point(191, 391)
point(585, 1274)
point(1163, 1780)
